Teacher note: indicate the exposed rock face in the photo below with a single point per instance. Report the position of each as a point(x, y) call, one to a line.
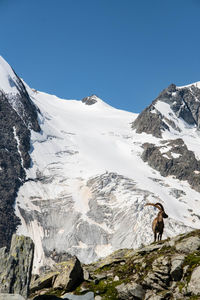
point(17, 116)
point(63, 276)
point(89, 100)
point(87, 296)
point(177, 266)
point(184, 102)
point(150, 123)
point(193, 285)
point(16, 266)
point(130, 291)
point(70, 275)
point(174, 158)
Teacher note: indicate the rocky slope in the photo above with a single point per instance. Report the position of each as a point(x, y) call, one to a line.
point(18, 116)
point(183, 103)
point(81, 172)
point(165, 270)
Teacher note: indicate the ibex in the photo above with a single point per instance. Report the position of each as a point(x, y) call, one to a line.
point(158, 224)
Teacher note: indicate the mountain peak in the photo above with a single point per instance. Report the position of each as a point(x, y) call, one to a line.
point(174, 110)
point(8, 79)
point(90, 100)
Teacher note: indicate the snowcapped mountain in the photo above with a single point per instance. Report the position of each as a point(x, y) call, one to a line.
point(91, 168)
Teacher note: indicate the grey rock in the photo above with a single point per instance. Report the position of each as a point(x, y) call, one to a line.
point(44, 281)
point(150, 122)
point(130, 291)
point(177, 267)
point(86, 274)
point(116, 278)
point(11, 297)
point(64, 275)
point(194, 286)
point(97, 297)
point(151, 295)
point(159, 277)
point(182, 167)
point(87, 296)
point(16, 266)
point(150, 248)
point(70, 274)
point(184, 103)
point(188, 245)
point(89, 100)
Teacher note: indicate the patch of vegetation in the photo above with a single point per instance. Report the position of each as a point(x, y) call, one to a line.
point(181, 285)
point(104, 288)
point(192, 261)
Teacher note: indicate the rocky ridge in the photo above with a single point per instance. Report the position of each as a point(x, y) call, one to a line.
point(172, 157)
point(184, 102)
point(169, 269)
point(18, 116)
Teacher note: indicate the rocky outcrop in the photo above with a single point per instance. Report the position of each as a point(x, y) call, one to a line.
point(150, 123)
point(62, 276)
point(90, 100)
point(173, 158)
point(169, 269)
point(184, 103)
point(16, 267)
point(17, 116)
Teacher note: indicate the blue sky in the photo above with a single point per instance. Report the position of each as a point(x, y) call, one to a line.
point(125, 51)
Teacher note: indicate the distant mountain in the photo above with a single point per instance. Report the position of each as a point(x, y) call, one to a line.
point(82, 171)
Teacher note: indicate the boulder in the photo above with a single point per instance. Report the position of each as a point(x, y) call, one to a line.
point(194, 286)
point(188, 245)
point(177, 267)
point(130, 291)
point(16, 266)
point(70, 274)
point(65, 275)
point(87, 296)
point(44, 281)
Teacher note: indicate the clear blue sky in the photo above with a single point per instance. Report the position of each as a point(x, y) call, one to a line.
point(125, 51)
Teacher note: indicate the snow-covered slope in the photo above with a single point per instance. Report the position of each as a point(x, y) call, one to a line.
point(86, 190)
point(91, 173)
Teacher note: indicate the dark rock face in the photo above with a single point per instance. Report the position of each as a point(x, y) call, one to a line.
point(17, 116)
point(184, 102)
point(150, 123)
point(177, 161)
point(89, 100)
point(16, 266)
